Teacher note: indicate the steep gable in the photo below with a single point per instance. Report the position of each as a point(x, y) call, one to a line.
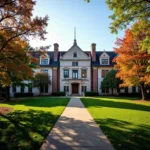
point(80, 54)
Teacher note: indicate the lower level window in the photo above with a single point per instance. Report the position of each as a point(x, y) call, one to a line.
point(44, 88)
point(14, 88)
point(66, 88)
point(106, 90)
point(83, 88)
point(22, 88)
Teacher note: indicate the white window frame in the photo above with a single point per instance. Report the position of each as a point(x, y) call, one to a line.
point(102, 59)
point(44, 57)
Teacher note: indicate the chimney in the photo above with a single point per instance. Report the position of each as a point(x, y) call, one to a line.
point(56, 52)
point(93, 51)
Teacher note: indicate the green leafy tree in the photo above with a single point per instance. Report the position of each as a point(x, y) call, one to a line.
point(126, 12)
point(110, 81)
point(41, 79)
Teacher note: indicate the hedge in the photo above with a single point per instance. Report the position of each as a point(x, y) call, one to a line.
point(134, 95)
point(58, 94)
point(23, 94)
point(91, 94)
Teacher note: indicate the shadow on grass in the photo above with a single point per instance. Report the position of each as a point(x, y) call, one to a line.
point(93, 102)
point(42, 102)
point(25, 129)
point(124, 135)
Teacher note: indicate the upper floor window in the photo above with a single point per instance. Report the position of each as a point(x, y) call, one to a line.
point(74, 63)
point(75, 54)
point(66, 73)
point(104, 73)
point(45, 71)
point(104, 61)
point(44, 61)
point(75, 74)
point(83, 73)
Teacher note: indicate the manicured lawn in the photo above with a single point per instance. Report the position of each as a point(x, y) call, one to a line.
point(124, 121)
point(30, 122)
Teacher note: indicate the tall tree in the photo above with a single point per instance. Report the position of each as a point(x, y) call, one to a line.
point(110, 81)
point(129, 11)
point(125, 11)
point(132, 61)
point(41, 79)
point(17, 24)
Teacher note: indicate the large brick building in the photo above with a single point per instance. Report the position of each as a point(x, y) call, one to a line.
point(73, 71)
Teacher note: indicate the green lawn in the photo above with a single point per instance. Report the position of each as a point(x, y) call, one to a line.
point(30, 122)
point(125, 122)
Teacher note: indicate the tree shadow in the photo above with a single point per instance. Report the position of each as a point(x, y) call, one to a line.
point(41, 102)
point(25, 129)
point(93, 102)
point(124, 135)
point(75, 133)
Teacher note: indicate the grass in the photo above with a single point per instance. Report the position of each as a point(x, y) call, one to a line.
point(30, 122)
point(124, 121)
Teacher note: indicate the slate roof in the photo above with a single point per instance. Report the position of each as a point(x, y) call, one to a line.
point(111, 54)
point(96, 63)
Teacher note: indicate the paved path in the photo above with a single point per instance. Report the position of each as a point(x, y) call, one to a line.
point(76, 130)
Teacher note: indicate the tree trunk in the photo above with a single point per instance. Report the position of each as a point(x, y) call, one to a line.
point(112, 91)
point(7, 93)
point(143, 92)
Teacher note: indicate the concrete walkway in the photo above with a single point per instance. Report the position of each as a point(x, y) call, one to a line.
point(76, 130)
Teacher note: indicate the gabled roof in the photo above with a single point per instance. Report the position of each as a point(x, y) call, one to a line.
point(96, 63)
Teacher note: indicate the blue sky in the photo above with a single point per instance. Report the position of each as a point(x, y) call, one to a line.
point(90, 19)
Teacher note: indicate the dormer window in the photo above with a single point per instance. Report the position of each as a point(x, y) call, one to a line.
point(104, 61)
point(75, 54)
point(44, 59)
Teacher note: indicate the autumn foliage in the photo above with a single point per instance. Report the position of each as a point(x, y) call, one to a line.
point(132, 61)
point(17, 24)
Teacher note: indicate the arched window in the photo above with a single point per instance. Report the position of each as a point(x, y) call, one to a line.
point(75, 54)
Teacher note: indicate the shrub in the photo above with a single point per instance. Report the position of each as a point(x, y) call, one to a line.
point(130, 94)
point(58, 94)
point(23, 94)
point(2, 94)
point(91, 94)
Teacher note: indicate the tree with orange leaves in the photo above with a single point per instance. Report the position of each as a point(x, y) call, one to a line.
point(17, 24)
point(132, 61)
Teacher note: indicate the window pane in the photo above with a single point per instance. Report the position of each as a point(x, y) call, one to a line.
point(66, 73)
point(74, 63)
point(103, 73)
point(45, 71)
point(104, 61)
point(83, 73)
point(83, 88)
point(29, 89)
point(44, 61)
point(75, 74)
point(22, 88)
point(66, 88)
point(14, 88)
point(74, 54)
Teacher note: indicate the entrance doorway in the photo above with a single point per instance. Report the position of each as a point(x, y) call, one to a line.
point(75, 87)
